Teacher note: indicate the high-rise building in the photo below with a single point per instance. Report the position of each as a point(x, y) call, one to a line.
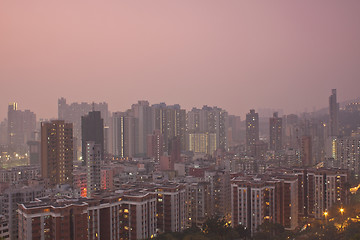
point(306, 151)
point(171, 121)
point(289, 202)
point(34, 152)
point(123, 134)
point(18, 174)
point(202, 143)
point(93, 158)
point(193, 120)
point(166, 163)
point(29, 121)
point(138, 218)
point(92, 129)
point(234, 130)
point(248, 200)
point(347, 153)
point(3, 132)
point(220, 127)
point(171, 209)
point(73, 112)
point(252, 131)
point(291, 131)
point(49, 219)
point(108, 148)
point(198, 203)
point(127, 216)
point(175, 149)
point(143, 125)
point(334, 114)
point(107, 178)
point(320, 189)
point(21, 125)
point(275, 132)
point(209, 120)
point(255, 201)
point(14, 127)
point(57, 152)
point(155, 145)
point(4, 228)
point(80, 180)
point(220, 191)
point(13, 196)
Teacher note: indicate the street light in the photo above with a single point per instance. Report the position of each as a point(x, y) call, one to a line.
point(342, 211)
point(325, 214)
point(342, 214)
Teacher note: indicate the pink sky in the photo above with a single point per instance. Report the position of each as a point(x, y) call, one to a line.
point(233, 54)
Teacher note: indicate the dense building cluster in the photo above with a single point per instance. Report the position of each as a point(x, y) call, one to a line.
point(92, 174)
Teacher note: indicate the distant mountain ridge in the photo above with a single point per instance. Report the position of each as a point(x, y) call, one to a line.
point(342, 104)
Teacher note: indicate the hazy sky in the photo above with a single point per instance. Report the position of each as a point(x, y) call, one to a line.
point(233, 54)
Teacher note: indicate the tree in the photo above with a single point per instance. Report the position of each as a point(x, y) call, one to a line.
point(329, 232)
point(192, 230)
point(216, 228)
point(352, 230)
point(195, 236)
point(270, 230)
point(243, 232)
point(166, 236)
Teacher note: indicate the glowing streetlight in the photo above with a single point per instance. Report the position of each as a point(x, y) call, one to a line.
point(326, 214)
point(342, 214)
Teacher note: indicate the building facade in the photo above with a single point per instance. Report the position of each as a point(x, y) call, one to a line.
point(276, 133)
point(11, 197)
point(202, 143)
point(93, 159)
point(123, 134)
point(171, 209)
point(255, 201)
point(47, 219)
point(73, 112)
point(57, 152)
point(252, 131)
point(21, 126)
point(92, 129)
point(347, 153)
point(334, 114)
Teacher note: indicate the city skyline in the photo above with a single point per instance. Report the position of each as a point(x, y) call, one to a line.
point(237, 56)
point(263, 110)
point(179, 119)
